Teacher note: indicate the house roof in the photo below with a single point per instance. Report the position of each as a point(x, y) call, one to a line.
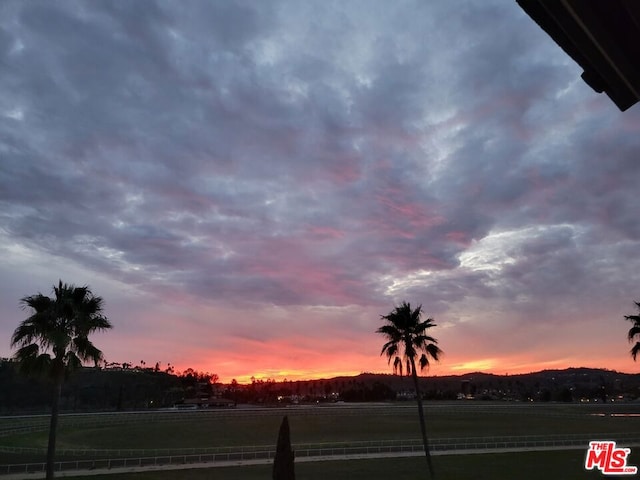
point(602, 36)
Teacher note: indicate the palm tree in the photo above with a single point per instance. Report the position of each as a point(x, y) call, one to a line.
point(54, 340)
point(406, 339)
point(634, 331)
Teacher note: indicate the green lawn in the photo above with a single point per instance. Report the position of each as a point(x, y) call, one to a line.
point(238, 428)
point(233, 428)
point(565, 465)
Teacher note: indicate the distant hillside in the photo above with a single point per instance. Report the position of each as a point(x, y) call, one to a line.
point(88, 389)
point(580, 382)
point(91, 389)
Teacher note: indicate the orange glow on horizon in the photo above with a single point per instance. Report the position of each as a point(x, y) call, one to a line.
point(247, 375)
point(496, 366)
point(474, 365)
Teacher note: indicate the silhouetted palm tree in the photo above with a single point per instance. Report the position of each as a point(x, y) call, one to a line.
point(634, 331)
point(55, 340)
point(406, 339)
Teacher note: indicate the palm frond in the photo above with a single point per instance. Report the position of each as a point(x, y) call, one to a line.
point(397, 366)
point(27, 352)
point(391, 332)
point(633, 318)
point(23, 335)
point(421, 327)
point(424, 362)
point(633, 331)
point(390, 349)
point(421, 341)
point(31, 362)
point(98, 323)
point(38, 303)
point(86, 350)
point(434, 351)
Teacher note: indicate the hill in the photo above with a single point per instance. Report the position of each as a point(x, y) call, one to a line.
point(571, 383)
point(91, 389)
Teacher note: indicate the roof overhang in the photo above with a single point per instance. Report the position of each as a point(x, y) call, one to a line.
point(602, 36)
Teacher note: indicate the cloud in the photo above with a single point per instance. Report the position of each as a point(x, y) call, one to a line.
point(341, 157)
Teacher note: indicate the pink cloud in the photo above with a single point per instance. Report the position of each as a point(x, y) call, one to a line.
point(319, 233)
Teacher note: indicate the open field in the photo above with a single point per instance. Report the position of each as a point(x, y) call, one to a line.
point(152, 434)
point(565, 465)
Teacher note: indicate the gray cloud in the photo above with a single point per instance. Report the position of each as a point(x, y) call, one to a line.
point(315, 155)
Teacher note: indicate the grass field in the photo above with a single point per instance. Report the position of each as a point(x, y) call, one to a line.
point(565, 465)
point(118, 435)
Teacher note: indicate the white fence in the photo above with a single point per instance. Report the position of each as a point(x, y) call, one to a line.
point(322, 450)
point(16, 424)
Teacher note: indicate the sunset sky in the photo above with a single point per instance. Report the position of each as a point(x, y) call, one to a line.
point(250, 185)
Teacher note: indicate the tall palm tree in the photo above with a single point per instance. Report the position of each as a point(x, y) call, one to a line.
point(54, 340)
point(406, 339)
point(634, 331)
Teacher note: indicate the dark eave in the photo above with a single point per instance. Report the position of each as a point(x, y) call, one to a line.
point(602, 36)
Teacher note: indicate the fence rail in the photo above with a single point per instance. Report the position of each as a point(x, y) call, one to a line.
point(326, 450)
point(24, 424)
point(435, 443)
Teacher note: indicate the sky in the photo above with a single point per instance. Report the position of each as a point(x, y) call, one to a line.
point(249, 186)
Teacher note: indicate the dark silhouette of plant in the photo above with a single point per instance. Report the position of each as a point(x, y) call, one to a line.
point(634, 331)
point(406, 339)
point(54, 340)
point(283, 468)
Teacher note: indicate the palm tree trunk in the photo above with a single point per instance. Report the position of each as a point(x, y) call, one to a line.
point(53, 428)
point(423, 427)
